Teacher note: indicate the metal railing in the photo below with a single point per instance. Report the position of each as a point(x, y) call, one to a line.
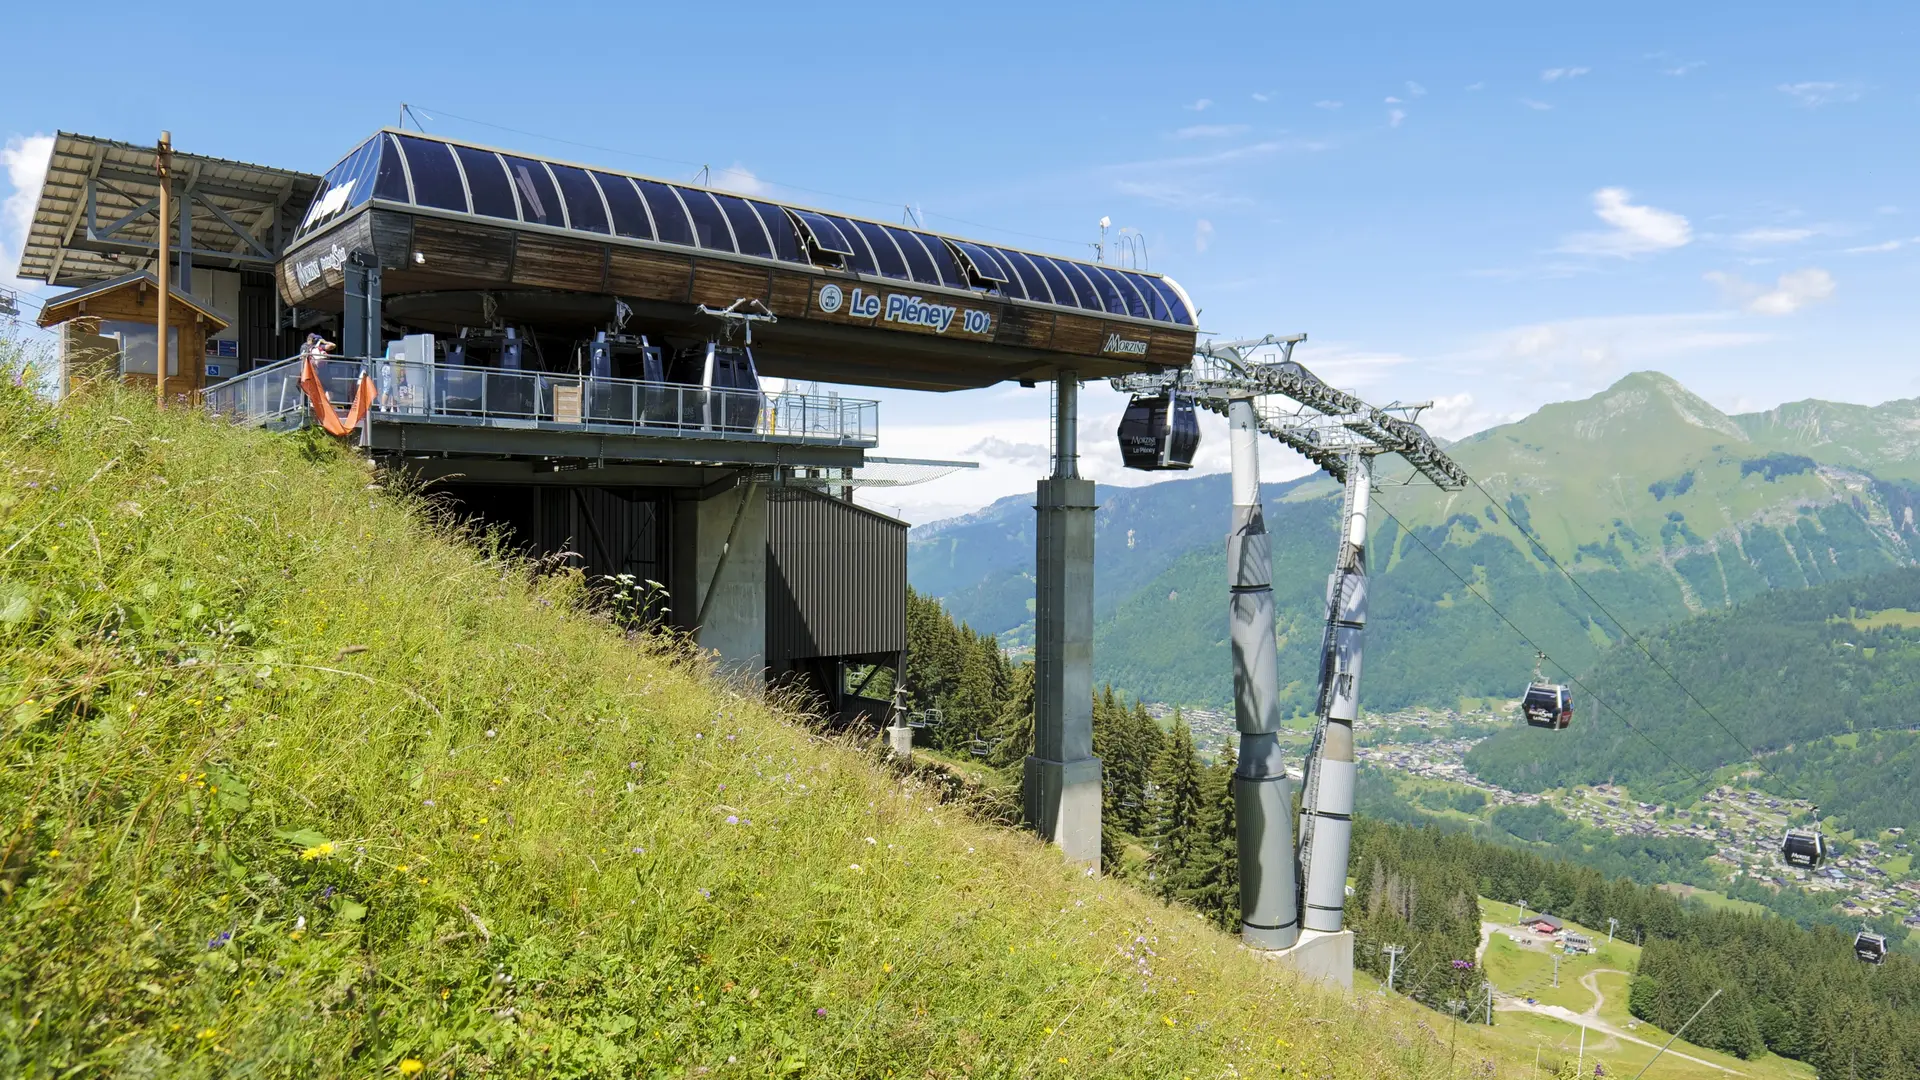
point(411, 392)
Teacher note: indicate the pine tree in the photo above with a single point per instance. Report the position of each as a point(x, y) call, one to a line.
point(1012, 731)
point(1210, 881)
point(1178, 800)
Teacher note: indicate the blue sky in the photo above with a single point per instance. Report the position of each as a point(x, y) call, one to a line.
point(1493, 207)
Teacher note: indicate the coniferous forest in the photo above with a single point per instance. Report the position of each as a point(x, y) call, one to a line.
point(1168, 826)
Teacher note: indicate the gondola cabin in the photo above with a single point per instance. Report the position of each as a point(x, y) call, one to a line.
point(1548, 705)
point(1871, 948)
point(1804, 848)
point(1159, 432)
point(730, 398)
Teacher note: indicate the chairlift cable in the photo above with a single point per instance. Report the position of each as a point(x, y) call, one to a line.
point(1534, 645)
point(1752, 754)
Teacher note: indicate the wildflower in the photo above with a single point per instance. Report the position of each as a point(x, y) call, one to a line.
point(409, 1066)
point(888, 968)
point(317, 851)
point(871, 840)
point(490, 733)
point(54, 854)
point(1063, 1061)
point(209, 1033)
point(483, 821)
point(426, 802)
point(639, 851)
point(220, 939)
point(855, 867)
point(402, 868)
point(820, 1013)
point(733, 819)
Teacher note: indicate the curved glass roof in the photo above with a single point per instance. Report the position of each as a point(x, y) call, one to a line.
point(431, 173)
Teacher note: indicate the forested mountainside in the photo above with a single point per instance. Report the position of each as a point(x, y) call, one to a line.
point(1783, 675)
point(1658, 504)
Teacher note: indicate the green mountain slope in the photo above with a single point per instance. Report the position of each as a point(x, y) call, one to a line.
point(1783, 673)
point(299, 785)
point(1661, 507)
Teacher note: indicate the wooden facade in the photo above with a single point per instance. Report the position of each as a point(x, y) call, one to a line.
point(86, 356)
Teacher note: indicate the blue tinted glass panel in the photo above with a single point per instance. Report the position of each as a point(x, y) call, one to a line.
point(1109, 296)
point(1156, 303)
point(1082, 288)
point(360, 171)
point(984, 265)
point(950, 273)
point(629, 213)
point(919, 263)
point(709, 224)
point(786, 242)
point(1176, 307)
point(885, 254)
point(338, 190)
point(436, 182)
point(1010, 283)
point(487, 181)
point(584, 211)
point(1056, 280)
point(669, 217)
point(862, 257)
point(826, 234)
point(391, 184)
point(747, 230)
point(1136, 305)
point(1029, 277)
point(539, 201)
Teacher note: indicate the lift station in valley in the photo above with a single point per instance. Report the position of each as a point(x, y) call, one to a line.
point(620, 373)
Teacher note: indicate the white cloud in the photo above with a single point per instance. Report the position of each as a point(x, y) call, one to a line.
point(1637, 230)
point(1791, 292)
point(1681, 69)
point(1262, 98)
point(1455, 416)
point(1393, 100)
point(1202, 235)
point(1773, 235)
point(24, 160)
point(1885, 245)
point(1210, 131)
point(1201, 106)
point(1536, 106)
point(1471, 87)
point(1395, 116)
point(1596, 345)
point(1414, 89)
point(1328, 105)
point(1556, 74)
point(738, 177)
point(1815, 94)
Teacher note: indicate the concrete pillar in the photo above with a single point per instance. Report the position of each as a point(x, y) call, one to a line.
point(1262, 795)
point(1060, 786)
point(729, 576)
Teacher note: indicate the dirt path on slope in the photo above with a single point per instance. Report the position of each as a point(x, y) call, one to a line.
point(1592, 1021)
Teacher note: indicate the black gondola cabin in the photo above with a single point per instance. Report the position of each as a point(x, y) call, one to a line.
point(1548, 705)
point(1159, 432)
point(1804, 848)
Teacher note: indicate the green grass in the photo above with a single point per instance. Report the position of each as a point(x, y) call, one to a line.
point(298, 785)
point(1890, 617)
point(1719, 901)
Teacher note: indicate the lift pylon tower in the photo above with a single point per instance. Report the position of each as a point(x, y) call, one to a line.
point(1258, 386)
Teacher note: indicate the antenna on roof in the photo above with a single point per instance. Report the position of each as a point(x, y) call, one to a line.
point(910, 216)
point(1100, 249)
point(705, 176)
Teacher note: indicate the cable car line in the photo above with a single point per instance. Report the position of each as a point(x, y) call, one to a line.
point(1752, 754)
point(1522, 635)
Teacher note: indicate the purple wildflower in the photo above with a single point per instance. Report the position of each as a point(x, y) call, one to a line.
point(733, 819)
point(820, 1013)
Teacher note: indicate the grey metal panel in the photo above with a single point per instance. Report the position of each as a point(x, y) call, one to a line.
point(836, 579)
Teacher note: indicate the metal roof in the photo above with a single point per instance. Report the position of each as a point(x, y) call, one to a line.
point(66, 245)
point(440, 176)
point(54, 310)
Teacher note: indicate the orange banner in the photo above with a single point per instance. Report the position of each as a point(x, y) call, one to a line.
point(363, 398)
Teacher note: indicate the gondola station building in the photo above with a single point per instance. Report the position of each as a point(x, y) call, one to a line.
point(583, 356)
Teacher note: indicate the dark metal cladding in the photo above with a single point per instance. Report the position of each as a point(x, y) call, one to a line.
point(836, 579)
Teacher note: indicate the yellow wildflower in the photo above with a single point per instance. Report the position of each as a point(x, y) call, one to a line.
point(409, 1066)
point(317, 851)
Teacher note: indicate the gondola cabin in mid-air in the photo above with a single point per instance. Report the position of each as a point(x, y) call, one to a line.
point(1547, 705)
point(1804, 848)
point(1159, 432)
point(1871, 948)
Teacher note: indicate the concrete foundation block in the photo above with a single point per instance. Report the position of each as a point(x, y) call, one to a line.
point(1063, 804)
point(1320, 956)
point(900, 741)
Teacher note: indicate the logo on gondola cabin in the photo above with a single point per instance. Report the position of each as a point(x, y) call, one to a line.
point(829, 298)
point(1125, 346)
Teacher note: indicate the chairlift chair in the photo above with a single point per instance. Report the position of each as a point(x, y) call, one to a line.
point(1546, 705)
point(917, 720)
point(1804, 848)
point(1870, 947)
point(979, 748)
point(1159, 431)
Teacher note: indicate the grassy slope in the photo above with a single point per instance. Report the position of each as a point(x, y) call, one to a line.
point(498, 837)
